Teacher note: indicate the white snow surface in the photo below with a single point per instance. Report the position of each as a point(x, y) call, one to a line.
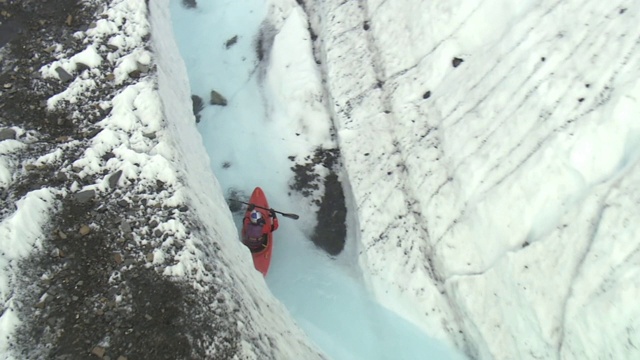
point(504, 202)
point(493, 204)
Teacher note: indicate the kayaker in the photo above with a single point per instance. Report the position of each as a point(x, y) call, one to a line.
point(258, 229)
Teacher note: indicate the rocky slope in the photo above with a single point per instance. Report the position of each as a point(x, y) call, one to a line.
point(126, 266)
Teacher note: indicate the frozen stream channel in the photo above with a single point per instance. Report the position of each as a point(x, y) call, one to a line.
point(249, 143)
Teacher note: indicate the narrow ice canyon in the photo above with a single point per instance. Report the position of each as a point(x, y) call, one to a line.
point(488, 158)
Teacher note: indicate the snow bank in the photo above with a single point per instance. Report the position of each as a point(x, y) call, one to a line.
point(266, 327)
point(508, 140)
point(20, 233)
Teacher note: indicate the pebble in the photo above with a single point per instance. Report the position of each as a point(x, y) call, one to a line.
point(217, 99)
point(98, 351)
point(113, 179)
point(125, 227)
point(84, 230)
point(7, 134)
point(63, 74)
point(84, 196)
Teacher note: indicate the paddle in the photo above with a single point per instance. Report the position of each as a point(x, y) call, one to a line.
point(291, 216)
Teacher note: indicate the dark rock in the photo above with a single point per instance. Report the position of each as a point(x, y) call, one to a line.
point(135, 74)
point(125, 227)
point(108, 156)
point(123, 203)
point(217, 99)
point(456, 62)
point(426, 95)
point(7, 134)
point(189, 4)
point(92, 132)
point(198, 105)
point(113, 179)
point(63, 74)
point(80, 67)
point(84, 196)
point(62, 177)
point(229, 43)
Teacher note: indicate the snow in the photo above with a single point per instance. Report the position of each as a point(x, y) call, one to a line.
point(8, 150)
point(503, 177)
point(492, 206)
point(20, 233)
point(277, 108)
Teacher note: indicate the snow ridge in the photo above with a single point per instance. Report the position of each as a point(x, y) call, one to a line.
point(503, 143)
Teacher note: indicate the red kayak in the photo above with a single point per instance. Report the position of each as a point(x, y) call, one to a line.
point(261, 243)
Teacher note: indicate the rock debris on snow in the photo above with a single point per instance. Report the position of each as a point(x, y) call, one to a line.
point(95, 164)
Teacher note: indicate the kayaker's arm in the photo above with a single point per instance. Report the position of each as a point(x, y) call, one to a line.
point(274, 220)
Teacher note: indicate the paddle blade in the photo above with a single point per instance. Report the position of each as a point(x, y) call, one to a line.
point(291, 216)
